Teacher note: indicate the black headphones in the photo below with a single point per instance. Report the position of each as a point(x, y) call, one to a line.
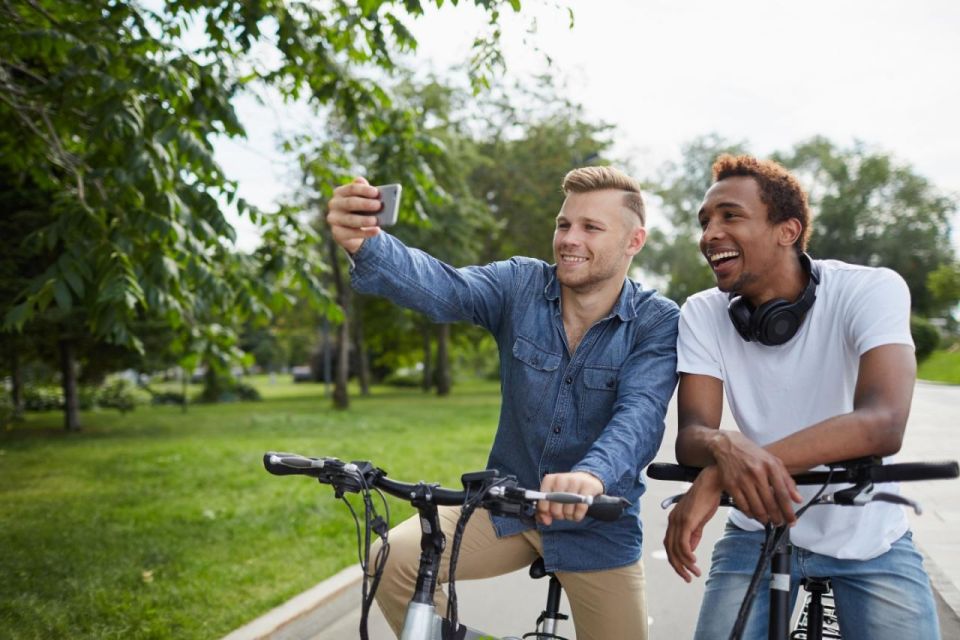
point(776, 321)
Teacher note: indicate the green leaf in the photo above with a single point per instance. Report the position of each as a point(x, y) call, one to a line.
point(61, 292)
point(18, 316)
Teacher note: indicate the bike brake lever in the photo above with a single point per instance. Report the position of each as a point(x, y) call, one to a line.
point(725, 501)
point(893, 498)
point(862, 494)
point(672, 500)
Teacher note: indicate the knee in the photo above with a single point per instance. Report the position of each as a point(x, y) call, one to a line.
point(401, 562)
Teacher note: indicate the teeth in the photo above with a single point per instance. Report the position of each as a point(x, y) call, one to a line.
point(573, 259)
point(722, 255)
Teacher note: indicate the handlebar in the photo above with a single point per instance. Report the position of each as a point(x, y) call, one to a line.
point(502, 495)
point(848, 471)
point(862, 473)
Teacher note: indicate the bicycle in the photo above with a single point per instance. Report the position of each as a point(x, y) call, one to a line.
point(481, 489)
point(862, 474)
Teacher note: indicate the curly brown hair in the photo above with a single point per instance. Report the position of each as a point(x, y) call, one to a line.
point(779, 190)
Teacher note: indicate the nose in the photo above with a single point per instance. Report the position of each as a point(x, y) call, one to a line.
point(712, 231)
point(570, 236)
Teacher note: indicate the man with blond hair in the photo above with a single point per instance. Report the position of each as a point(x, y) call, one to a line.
point(587, 366)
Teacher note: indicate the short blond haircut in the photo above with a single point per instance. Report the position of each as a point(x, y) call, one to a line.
point(587, 179)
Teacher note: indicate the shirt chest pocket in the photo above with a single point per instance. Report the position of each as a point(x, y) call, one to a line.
point(531, 372)
point(596, 401)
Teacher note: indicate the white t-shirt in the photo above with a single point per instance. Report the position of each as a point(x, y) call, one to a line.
point(776, 391)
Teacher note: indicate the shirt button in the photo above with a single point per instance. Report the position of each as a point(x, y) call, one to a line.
point(556, 429)
point(610, 384)
point(569, 380)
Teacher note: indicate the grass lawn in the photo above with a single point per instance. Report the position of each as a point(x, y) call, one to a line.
point(941, 366)
point(159, 524)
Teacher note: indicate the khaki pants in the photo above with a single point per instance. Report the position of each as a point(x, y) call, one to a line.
point(606, 605)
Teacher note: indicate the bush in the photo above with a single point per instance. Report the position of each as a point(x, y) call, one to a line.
point(404, 377)
point(166, 397)
point(117, 394)
point(229, 392)
point(42, 398)
point(925, 337)
point(247, 392)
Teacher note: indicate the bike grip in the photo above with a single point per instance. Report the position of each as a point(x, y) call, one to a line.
point(667, 471)
point(292, 464)
point(906, 471)
point(607, 508)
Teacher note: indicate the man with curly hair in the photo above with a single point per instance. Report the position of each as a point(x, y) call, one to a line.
point(816, 360)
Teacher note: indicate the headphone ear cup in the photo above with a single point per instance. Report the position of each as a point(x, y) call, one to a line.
point(740, 312)
point(775, 322)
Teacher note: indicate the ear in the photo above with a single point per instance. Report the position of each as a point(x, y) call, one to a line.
point(788, 232)
point(638, 238)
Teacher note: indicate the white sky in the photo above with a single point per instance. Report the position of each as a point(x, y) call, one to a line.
point(769, 72)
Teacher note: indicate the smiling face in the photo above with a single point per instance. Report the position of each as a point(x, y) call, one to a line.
point(749, 255)
point(595, 239)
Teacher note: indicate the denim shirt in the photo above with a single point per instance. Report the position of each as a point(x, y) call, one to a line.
point(599, 410)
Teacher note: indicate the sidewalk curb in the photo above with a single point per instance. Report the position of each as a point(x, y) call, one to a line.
point(943, 587)
point(304, 615)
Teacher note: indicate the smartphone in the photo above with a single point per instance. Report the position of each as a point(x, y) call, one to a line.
point(390, 197)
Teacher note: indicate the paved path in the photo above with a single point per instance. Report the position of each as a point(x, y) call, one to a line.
point(510, 604)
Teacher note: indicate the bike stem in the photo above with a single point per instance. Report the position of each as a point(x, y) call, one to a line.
point(432, 543)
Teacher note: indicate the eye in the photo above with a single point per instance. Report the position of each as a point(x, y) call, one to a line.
point(563, 225)
point(593, 227)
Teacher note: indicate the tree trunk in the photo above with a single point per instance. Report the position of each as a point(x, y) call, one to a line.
point(213, 388)
point(363, 357)
point(444, 378)
point(16, 390)
point(427, 383)
point(68, 373)
point(327, 371)
point(183, 390)
point(341, 397)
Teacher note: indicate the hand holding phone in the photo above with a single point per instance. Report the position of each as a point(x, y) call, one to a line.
point(390, 197)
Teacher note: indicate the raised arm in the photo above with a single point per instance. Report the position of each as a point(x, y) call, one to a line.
point(411, 278)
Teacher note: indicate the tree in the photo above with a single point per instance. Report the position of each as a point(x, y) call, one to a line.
point(870, 209)
point(418, 147)
point(106, 143)
point(521, 156)
point(944, 286)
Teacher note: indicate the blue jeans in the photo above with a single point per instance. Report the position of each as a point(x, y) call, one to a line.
point(884, 598)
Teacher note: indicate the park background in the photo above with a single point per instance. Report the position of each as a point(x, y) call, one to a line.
point(165, 275)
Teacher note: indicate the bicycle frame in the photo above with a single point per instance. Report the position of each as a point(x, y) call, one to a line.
point(422, 622)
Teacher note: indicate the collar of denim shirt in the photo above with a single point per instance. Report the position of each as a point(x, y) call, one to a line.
point(624, 308)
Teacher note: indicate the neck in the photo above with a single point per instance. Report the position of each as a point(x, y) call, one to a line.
point(786, 282)
point(583, 308)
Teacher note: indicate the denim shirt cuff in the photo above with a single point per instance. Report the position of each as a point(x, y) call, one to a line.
point(609, 482)
point(362, 262)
